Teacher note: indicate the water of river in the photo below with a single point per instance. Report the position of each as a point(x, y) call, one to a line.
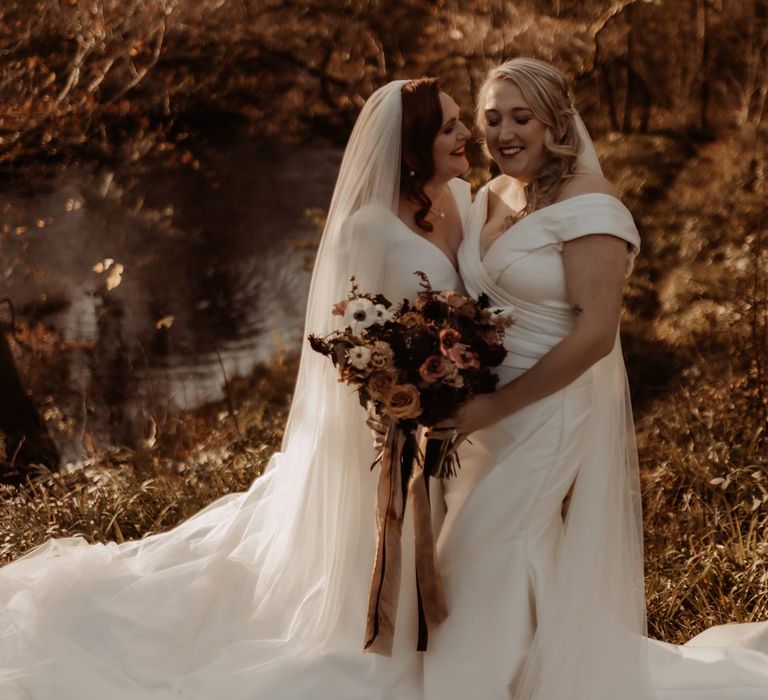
point(204, 272)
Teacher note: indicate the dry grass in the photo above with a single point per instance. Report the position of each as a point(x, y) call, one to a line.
point(124, 494)
point(697, 345)
point(705, 484)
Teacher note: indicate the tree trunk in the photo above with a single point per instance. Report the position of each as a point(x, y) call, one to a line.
point(27, 441)
point(705, 51)
point(629, 99)
point(610, 96)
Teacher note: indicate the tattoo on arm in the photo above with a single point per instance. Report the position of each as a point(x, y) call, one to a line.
point(577, 310)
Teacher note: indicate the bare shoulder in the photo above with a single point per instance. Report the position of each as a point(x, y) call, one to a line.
point(502, 185)
point(504, 193)
point(587, 183)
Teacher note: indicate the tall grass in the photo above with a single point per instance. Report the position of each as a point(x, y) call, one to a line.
point(124, 494)
point(703, 432)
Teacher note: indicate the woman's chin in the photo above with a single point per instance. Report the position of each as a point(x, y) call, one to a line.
point(512, 171)
point(460, 167)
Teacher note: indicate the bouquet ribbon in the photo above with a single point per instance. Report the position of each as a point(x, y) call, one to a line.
point(403, 477)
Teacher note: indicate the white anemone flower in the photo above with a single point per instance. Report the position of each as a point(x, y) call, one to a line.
point(383, 314)
point(359, 315)
point(359, 357)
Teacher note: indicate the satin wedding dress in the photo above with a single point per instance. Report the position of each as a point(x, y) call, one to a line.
point(504, 548)
point(177, 615)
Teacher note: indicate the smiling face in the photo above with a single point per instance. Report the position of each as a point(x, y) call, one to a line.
point(513, 133)
point(448, 147)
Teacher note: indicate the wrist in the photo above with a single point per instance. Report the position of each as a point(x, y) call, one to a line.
point(504, 400)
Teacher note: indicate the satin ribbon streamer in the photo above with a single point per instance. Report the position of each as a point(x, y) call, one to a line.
point(402, 478)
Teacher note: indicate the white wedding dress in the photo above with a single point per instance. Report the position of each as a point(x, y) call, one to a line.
point(501, 547)
point(263, 594)
point(177, 615)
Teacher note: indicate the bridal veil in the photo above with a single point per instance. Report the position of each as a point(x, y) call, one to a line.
point(590, 643)
point(255, 583)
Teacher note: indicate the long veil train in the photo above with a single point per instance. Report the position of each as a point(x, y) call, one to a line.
point(258, 583)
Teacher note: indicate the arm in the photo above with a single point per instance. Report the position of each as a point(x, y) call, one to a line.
point(364, 249)
point(594, 273)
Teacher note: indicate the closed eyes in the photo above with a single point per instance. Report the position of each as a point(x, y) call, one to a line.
point(522, 121)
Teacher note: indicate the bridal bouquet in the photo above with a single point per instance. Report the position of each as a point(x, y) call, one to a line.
point(417, 364)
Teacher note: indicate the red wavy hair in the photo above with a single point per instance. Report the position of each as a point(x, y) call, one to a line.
point(422, 119)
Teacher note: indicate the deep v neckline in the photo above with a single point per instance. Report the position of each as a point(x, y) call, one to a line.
point(506, 232)
point(443, 253)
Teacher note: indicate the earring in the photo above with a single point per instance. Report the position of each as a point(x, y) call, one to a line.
point(411, 172)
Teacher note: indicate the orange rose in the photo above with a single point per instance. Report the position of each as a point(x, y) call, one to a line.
point(380, 382)
point(401, 402)
point(411, 319)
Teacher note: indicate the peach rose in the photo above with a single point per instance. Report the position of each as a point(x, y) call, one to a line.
point(380, 382)
point(463, 356)
point(401, 402)
point(381, 355)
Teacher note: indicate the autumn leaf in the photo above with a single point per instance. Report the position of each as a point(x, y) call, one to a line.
point(115, 276)
point(103, 265)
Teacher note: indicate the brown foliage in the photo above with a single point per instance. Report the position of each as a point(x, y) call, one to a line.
point(698, 361)
point(113, 79)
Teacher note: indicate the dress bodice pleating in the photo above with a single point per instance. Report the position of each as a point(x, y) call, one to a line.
point(526, 260)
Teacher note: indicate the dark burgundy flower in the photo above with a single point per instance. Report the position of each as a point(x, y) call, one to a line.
point(435, 311)
point(484, 382)
point(490, 354)
point(317, 344)
point(432, 369)
point(439, 402)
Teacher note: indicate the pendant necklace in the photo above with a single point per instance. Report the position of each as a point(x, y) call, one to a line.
point(437, 211)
